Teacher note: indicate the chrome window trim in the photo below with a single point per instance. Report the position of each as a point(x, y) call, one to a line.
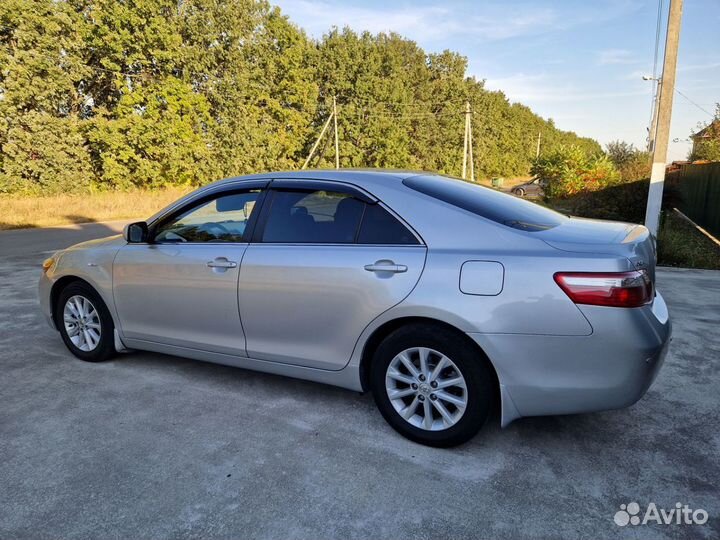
point(203, 192)
point(266, 185)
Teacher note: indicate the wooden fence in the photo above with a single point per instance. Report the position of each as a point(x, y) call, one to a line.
point(699, 185)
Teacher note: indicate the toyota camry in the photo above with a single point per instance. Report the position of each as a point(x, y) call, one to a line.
point(445, 299)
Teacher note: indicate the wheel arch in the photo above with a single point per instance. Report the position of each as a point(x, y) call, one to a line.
point(385, 329)
point(63, 282)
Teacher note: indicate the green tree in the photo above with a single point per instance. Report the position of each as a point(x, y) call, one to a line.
point(708, 147)
point(44, 154)
point(570, 170)
point(156, 137)
point(633, 164)
point(108, 94)
point(620, 152)
point(41, 98)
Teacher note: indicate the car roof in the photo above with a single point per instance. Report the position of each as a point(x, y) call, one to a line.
point(330, 174)
point(361, 177)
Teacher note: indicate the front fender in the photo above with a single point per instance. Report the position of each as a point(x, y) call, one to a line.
point(94, 266)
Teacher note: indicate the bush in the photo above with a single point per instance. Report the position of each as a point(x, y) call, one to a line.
point(637, 168)
point(633, 164)
point(707, 149)
point(621, 202)
point(569, 170)
point(44, 154)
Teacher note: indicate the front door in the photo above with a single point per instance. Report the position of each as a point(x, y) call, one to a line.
point(325, 265)
point(181, 287)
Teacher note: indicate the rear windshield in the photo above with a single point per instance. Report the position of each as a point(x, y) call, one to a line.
point(488, 203)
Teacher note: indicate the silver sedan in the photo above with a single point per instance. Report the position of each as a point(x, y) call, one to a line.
point(445, 299)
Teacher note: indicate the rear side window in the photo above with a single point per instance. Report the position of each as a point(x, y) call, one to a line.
point(488, 203)
point(327, 217)
point(313, 217)
point(380, 227)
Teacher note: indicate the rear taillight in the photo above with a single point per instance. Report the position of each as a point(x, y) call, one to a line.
point(621, 289)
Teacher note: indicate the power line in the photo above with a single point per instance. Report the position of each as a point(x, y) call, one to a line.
point(696, 104)
point(392, 103)
point(657, 38)
point(404, 116)
point(656, 83)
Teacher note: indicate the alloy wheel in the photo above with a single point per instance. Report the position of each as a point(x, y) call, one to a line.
point(426, 388)
point(82, 323)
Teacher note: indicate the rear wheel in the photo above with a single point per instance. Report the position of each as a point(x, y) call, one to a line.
point(85, 323)
point(430, 387)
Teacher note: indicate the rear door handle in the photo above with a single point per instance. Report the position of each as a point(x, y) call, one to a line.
point(386, 266)
point(221, 262)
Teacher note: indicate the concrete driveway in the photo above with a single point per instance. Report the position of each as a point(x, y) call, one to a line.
point(156, 446)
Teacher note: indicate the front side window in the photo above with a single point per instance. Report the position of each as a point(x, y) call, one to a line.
point(322, 217)
point(222, 219)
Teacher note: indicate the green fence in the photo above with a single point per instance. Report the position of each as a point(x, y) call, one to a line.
point(699, 185)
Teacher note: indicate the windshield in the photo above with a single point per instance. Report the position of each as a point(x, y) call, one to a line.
point(488, 203)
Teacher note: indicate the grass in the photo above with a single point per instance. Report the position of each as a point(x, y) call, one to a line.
point(28, 212)
point(680, 244)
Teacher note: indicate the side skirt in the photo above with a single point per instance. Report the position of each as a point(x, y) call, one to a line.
point(348, 377)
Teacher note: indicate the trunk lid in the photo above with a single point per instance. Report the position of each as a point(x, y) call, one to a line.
point(598, 236)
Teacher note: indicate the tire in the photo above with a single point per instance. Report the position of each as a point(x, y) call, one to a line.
point(520, 192)
point(478, 393)
point(98, 323)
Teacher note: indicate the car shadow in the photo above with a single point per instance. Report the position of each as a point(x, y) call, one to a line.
point(311, 396)
point(79, 218)
point(37, 241)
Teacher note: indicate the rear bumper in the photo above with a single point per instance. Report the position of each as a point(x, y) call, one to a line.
point(610, 369)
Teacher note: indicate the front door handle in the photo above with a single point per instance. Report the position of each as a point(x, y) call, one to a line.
point(386, 266)
point(221, 262)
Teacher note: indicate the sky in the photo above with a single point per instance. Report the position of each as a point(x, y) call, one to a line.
point(579, 62)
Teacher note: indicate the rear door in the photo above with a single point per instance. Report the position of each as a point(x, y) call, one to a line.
point(180, 288)
point(325, 261)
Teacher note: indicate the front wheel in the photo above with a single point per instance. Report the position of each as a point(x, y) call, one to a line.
point(85, 323)
point(520, 192)
point(430, 387)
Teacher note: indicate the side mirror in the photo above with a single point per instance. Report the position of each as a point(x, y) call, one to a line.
point(136, 233)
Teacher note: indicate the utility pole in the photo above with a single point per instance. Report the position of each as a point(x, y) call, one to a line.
point(653, 128)
point(664, 114)
point(465, 141)
point(337, 146)
point(322, 132)
point(653, 121)
point(470, 150)
point(653, 117)
point(537, 148)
